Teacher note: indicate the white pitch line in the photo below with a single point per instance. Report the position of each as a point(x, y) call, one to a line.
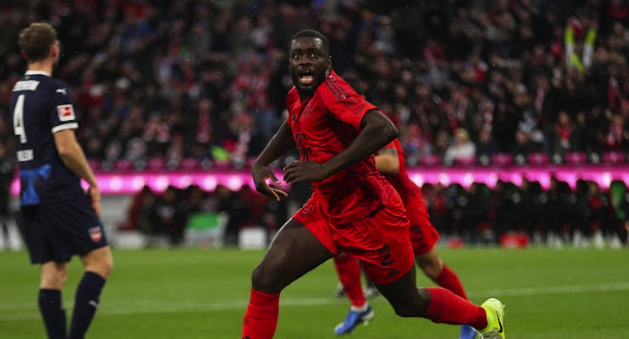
point(126, 307)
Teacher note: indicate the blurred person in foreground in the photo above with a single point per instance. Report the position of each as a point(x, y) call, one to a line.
point(60, 220)
point(353, 209)
point(423, 236)
point(7, 173)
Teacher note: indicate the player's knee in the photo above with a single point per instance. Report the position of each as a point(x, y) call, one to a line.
point(430, 266)
point(407, 310)
point(53, 279)
point(414, 306)
point(103, 266)
point(106, 267)
point(263, 279)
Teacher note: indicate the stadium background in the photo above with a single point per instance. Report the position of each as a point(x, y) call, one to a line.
point(513, 116)
point(506, 108)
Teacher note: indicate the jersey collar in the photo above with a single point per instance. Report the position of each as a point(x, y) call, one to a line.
point(36, 73)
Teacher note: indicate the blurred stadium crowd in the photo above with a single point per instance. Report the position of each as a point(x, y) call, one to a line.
point(509, 215)
point(465, 81)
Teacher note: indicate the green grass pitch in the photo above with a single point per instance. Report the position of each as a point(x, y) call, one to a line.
point(191, 293)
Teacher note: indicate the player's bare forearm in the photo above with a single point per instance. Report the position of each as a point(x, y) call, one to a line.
point(377, 132)
point(77, 162)
point(73, 157)
point(280, 144)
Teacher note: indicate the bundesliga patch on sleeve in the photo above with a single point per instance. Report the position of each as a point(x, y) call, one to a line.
point(66, 112)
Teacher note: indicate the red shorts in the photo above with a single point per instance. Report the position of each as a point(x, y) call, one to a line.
point(380, 240)
point(423, 235)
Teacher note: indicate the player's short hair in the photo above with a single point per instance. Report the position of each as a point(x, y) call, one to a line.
point(36, 40)
point(311, 33)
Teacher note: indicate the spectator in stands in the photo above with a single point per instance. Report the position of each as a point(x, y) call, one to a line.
point(486, 146)
point(170, 215)
point(462, 148)
point(564, 135)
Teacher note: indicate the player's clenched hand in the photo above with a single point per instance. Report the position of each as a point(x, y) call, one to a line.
point(94, 195)
point(300, 171)
point(260, 176)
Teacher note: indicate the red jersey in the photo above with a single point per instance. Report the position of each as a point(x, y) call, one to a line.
point(323, 126)
point(406, 188)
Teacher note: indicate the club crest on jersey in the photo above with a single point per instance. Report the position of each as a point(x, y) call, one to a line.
point(66, 112)
point(96, 234)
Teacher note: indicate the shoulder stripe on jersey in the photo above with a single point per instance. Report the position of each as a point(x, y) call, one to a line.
point(338, 92)
point(72, 125)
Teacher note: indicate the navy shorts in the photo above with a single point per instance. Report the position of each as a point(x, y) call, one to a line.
point(58, 231)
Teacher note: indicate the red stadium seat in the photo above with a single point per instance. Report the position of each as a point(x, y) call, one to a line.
point(537, 159)
point(575, 158)
point(502, 159)
point(94, 164)
point(613, 157)
point(430, 161)
point(123, 165)
point(189, 164)
point(156, 164)
point(471, 161)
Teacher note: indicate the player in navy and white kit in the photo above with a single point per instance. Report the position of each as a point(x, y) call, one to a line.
point(60, 219)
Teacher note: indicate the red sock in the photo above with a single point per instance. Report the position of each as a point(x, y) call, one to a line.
point(260, 318)
point(447, 307)
point(449, 280)
point(348, 269)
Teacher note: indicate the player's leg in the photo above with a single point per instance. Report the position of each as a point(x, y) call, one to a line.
point(348, 270)
point(370, 289)
point(98, 266)
point(75, 229)
point(53, 277)
point(394, 275)
point(440, 305)
point(423, 238)
point(294, 252)
point(54, 269)
point(434, 268)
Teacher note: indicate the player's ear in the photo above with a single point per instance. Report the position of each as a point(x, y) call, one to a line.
point(55, 49)
point(329, 62)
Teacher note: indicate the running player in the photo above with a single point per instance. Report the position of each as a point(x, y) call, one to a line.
point(391, 163)
point(353, 209)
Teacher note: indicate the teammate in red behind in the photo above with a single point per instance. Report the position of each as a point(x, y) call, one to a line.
point(391, 163)
point(353, 209)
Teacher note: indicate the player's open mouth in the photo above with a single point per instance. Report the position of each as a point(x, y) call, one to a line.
point(306, 77)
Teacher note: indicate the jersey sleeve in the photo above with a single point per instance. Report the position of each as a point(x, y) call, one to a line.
point(62, 116)
point(342, 101)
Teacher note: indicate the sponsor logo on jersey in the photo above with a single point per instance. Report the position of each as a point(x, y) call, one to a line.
point(62, 91)
point(96, 234)
point(66, 112)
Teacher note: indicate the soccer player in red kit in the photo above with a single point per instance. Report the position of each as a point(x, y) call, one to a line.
point(353, 209)
point(423, 236)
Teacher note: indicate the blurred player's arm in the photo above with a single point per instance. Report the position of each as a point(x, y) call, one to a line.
point(387, 161)
point(376, 132)
point(73, 157)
